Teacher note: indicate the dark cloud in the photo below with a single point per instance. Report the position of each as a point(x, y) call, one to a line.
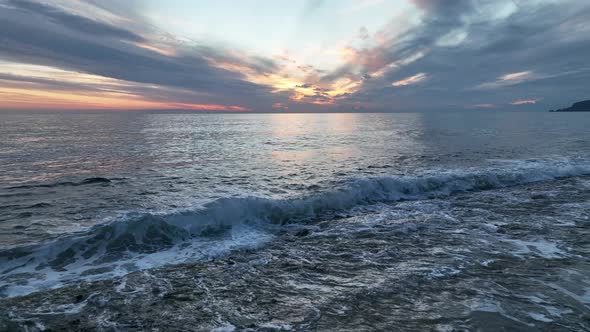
point(23, 42)
point(465, 47)
point(71, 21)
point(317, 98)
point(47, 84)
point(465, 44)
point(75, 43)
point(442, 10)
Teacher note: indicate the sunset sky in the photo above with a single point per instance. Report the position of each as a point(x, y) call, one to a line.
point(313, 55)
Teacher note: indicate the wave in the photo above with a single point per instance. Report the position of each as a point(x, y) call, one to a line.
point(87, 181)
point(227, 211)
point(230, 222)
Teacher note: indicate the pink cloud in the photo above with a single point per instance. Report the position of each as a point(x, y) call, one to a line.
point(510, 79)
point(524, 101)
point(411, 80)
point(280, 106)
point(208, 107)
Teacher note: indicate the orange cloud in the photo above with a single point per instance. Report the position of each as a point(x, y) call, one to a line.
point(107, 93)
point(17, 98)
point(291, 79)
point(516, 76)
point(370, 59)
point(411, 80)
point(157, 49)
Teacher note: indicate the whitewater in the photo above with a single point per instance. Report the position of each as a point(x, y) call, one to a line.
point(140, 241)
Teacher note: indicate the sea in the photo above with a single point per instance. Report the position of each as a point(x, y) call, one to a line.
point(174, 221)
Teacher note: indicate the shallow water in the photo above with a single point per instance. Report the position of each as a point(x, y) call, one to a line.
point(303, 222)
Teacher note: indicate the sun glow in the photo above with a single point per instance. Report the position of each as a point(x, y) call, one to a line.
point(15, 98)
point(292, 79)
point(26, 86)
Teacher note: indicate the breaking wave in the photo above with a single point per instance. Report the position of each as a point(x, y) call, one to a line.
point(146, 240)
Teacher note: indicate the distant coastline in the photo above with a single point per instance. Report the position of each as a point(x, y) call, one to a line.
point(582, 106)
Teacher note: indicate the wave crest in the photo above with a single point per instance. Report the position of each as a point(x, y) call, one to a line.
point(221, 221)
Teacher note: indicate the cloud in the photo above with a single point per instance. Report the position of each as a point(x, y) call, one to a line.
point(415, 79)
point(59, 39)
point(517, 77)
point(26, 86)
point(280, 106)
point(439, 10)
point(363, 33)
point(510, 79)
point(471, 50)
point(484, 106)
point(524, 101)
point(71, 21)
point(475, 50)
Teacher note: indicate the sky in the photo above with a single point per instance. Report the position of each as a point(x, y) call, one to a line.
point(294, 56)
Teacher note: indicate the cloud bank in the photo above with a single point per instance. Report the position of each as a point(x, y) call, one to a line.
point(435, 56)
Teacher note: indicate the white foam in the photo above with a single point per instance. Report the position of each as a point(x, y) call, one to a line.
point(485, 306)
point(225, 328)
point(444, 272)
point(277, 326)
point(540, 247)
point(181, 253)
point(540, 317)
point(555, 312)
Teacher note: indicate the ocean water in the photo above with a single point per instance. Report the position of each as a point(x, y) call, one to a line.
point(405, 221)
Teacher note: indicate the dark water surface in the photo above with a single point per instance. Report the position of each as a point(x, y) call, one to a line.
point(140, 221)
